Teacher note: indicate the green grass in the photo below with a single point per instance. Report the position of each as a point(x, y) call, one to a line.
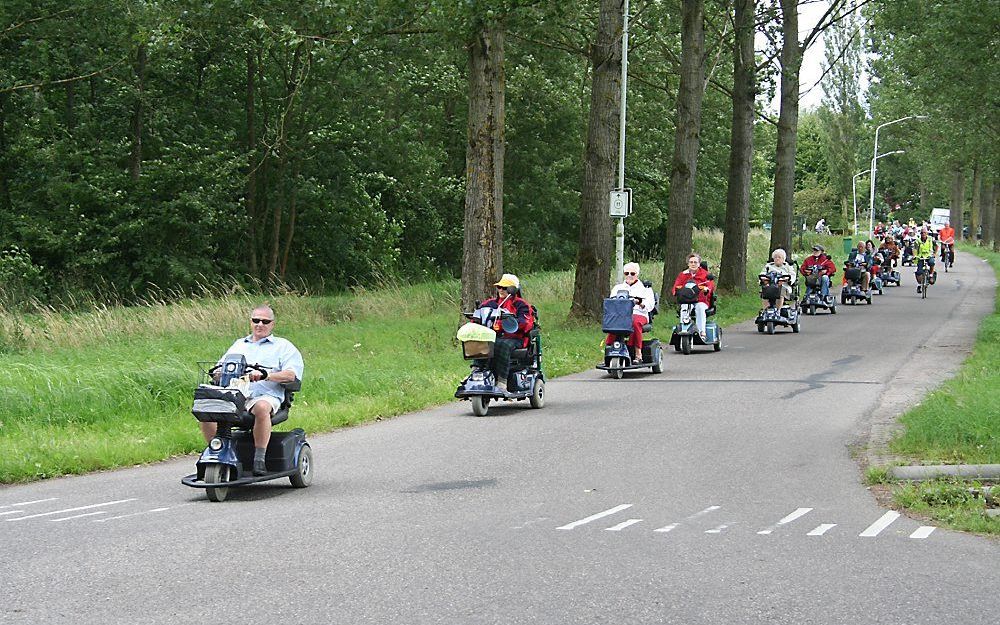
point(112, 386)
point(959, 423)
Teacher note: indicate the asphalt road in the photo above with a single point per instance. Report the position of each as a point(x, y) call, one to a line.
point(727, 486)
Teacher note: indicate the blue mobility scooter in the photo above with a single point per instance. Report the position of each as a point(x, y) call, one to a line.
point(617, 321)
point(813, 299)
point(525, 379)
point(227, 462)
point(685, 333)
point(772, 316)
point(852, 293)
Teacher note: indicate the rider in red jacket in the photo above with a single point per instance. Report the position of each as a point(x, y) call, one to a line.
point(826, 268)
point(509, 298)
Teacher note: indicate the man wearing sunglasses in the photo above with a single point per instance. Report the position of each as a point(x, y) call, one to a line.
point(283, 363)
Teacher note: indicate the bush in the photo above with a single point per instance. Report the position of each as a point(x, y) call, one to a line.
point(21, 281)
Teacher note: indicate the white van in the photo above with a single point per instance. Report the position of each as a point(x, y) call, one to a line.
point(940, 217)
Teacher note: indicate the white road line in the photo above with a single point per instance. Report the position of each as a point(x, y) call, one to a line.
point(667, 528)
point(923, 531)
point(717, 530)
point(622, 525)
point(703, 512)
point(594, 517)
point(788, 519)
point(96, 505)
point(77, 516)
point(12, 512)
point(884, 521)
point(28, 503)
point(123, 516)
point(822, 529)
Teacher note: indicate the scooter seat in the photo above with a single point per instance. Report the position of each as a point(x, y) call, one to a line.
point(710, 311)
point(278, 417)
point(519, 354)
point(647, 327)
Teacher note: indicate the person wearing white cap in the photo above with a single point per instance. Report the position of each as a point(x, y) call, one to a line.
point(509, 299)
point(643, 302)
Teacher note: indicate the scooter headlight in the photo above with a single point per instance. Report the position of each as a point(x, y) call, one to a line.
point(618, 345)
point(215, 444)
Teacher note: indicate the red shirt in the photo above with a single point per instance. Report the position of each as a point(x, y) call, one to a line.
point(700, 278)
point(946, 235)
point(525, 317)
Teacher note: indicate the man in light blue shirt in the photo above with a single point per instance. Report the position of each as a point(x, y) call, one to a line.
point(283, 363)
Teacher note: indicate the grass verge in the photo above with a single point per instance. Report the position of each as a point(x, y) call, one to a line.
point(112, 387)
point(959, 423)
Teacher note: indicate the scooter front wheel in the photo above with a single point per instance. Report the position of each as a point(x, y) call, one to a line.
point(686, 344)
point(480, 405)
point(615, 368)
point(217, 473)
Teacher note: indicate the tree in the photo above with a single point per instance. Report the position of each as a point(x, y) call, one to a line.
point(733, 269)
point(482, 250)
point(686, 141)
point(593, 259)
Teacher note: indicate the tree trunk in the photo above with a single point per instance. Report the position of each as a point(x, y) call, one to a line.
point(977, 183)
point(986, 211)
point(957, 202)
point(138, 112)
point(788, 123)
point(925, 199)
point(5, 203)
point(733, 270)
point(292, 212)
point(680, 210)
point(277, 211)
point(593, 259)
point(995, 230)
point(482, 247)
point(250, 191)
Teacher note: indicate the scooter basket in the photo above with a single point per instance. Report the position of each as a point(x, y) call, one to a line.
point(617, 315)
point(473, 350)
point(214, 404)
point(687, 295)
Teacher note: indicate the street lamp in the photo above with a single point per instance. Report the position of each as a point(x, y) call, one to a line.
point(620, 226)
point(871, 201)
point(854, 193)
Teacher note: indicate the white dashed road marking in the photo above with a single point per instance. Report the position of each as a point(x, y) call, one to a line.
point(923, 531)
point(667, 528)
point(54, 512)
point(124, 516)
point(788, 519)
point(594, 517)
point(822, 529)
point(717, 530)
point(27, 503)
point(12, 512)
point(876, 528)
point(77, 516)
point(622, 525)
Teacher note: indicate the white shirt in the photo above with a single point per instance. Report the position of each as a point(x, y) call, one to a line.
point(641, 291)
point(276, 354)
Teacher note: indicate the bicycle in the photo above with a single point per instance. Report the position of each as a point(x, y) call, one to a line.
point(948, 256)
point(924, 267)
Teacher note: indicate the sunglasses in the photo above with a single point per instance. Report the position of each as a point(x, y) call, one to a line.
point(631, 273)
point(262, 321)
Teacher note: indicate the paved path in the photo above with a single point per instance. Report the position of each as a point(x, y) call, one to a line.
point(722, 491)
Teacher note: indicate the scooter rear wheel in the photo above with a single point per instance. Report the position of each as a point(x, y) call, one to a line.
point(217, 473)
point(480, 405)
point(305, 475)
point(537, 398)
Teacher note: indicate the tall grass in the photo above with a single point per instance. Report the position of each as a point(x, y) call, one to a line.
point(112, 386)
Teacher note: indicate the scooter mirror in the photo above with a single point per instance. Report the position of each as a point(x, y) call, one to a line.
point(509, 325)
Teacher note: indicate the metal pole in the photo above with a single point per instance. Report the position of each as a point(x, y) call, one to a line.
point(620, 226)
point(871, 201)
point(855, 194)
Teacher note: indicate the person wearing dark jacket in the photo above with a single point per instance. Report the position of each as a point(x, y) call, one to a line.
point(826, 268)
point(509, 299)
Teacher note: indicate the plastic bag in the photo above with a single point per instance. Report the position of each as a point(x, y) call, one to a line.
point(475, 332)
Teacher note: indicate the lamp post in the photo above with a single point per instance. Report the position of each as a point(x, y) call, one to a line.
point(871, 213)
point(620, 226)
point(871, 201)
point(854, 192)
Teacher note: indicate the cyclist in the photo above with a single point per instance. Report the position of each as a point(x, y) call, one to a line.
point(926, 252)
point(947, 238)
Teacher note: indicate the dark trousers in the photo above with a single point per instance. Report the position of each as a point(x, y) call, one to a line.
point(500, 363)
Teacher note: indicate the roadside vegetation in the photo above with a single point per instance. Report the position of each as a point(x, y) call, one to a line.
point(959, 423)
point(112, 387)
